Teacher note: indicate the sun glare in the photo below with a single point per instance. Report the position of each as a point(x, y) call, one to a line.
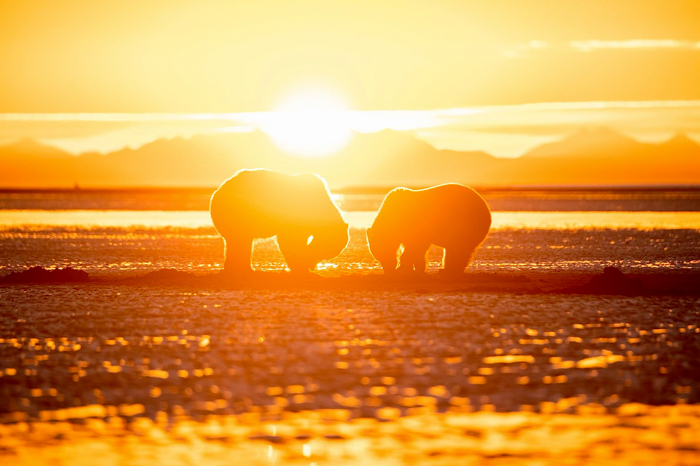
point(310, 124)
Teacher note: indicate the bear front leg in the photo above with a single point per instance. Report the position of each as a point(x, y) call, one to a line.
point(237, 252)
point(295, 250)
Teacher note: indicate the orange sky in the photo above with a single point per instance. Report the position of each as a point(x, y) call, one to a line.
point(170, 56)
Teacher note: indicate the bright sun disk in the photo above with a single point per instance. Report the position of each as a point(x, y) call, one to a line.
point(310, 124)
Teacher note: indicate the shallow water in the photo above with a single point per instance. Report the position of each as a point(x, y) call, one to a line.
point(356, 219)
point(671, 199)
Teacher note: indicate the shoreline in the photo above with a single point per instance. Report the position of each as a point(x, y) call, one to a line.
point(611, 282)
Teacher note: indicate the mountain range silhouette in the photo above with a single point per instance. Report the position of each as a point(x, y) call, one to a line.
point(385, 158)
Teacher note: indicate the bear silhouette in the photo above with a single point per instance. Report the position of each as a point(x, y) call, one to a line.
point(296, 208)
point(452, 216)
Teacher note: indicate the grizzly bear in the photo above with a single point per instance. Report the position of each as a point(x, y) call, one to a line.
point(296, 208)
point(451, 216)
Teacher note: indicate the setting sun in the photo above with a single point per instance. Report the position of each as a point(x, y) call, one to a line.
point(313, 123)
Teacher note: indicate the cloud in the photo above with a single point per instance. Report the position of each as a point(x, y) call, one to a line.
point(591, 45)
point(524, 49)
point(521, 50)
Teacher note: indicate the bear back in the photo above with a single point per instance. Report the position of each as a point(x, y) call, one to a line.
point(258, 202)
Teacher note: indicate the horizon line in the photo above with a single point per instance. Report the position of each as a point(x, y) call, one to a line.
point(371, 189)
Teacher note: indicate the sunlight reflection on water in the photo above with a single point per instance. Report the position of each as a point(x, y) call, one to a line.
point(358, 219)
point(635, 434)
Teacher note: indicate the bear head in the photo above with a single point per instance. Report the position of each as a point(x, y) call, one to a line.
point(326, 243)
point(384, 247)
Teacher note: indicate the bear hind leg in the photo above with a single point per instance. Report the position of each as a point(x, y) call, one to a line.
point(456, 260)
point(413, 258)
point(295, 249)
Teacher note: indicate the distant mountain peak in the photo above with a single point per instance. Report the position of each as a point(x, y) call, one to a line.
point(587, 140)
point(681, 138)
point(681, 145)
point(26, 142)
point(30, 145)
